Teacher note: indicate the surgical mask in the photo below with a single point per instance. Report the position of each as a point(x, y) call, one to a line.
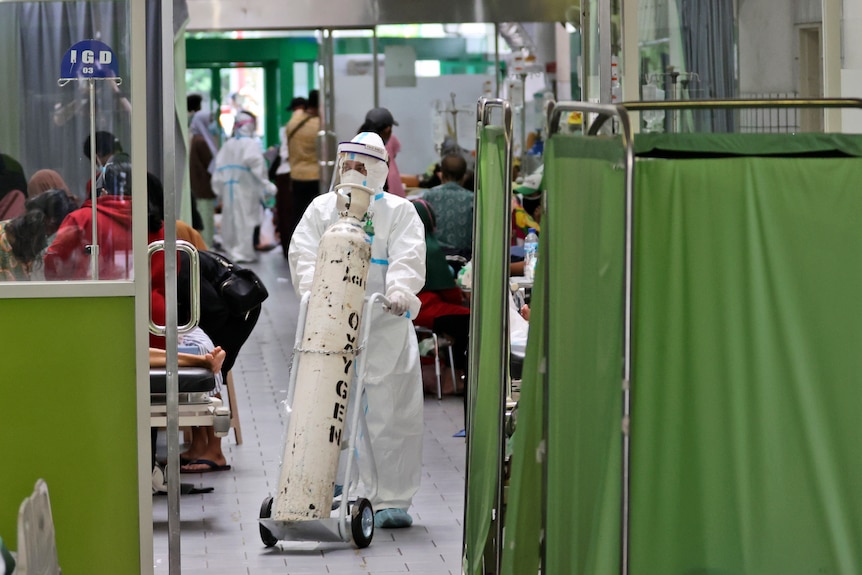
point(100, 175)
point(353, 177)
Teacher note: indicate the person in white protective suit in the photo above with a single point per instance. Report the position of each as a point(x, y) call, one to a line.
point(241, 182)
point(393, 382)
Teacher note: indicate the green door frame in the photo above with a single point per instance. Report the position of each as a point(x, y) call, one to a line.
point(275, 55)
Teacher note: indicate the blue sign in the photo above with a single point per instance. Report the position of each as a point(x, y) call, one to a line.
point(89, 59)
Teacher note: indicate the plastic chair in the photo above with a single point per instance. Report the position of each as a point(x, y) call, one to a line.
point(439, 341)
point(37, 548)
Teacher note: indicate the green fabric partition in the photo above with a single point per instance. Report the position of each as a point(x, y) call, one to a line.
point(523, 518)
point(581, 258)
point(490, 275)
point(746, 391)
point(586, 219)
point(68, 415)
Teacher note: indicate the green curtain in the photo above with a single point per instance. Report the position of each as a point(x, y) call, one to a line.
point(586, 216)
point(745, 384)
point(581, 258)
point(523, 516)
point(746, 393)
point(490, 275)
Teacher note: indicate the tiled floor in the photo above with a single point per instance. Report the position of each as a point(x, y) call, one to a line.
point(220, 532)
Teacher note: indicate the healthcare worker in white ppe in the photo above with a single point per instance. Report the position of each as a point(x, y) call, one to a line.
point(393, 383)
point(241, 182)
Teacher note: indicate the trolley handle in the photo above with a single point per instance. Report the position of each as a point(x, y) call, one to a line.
point(194, 286)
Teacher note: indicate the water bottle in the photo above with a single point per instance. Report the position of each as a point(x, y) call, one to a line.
point(531, 254)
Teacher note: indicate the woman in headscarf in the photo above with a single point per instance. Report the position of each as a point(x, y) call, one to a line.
point(45, 180)
point(443, 308)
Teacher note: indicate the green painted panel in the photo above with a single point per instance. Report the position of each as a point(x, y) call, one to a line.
point(203, 51)
point(426, 48)
point(67, 407)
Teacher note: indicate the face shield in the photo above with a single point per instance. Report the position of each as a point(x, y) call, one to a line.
point(353, 170)
point(362, 162)
point(244, 126)
point(360, 167)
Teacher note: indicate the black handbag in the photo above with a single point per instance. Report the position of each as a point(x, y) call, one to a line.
point(240, 288)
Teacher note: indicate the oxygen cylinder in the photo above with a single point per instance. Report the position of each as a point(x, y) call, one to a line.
point(325, 364)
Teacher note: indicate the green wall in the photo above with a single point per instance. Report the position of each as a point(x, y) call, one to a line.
point(275, 55)
point(67, 414)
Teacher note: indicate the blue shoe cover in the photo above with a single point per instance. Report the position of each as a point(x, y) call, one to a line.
point(392, 518)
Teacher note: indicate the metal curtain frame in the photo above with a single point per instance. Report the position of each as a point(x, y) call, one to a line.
point(602, 114)
point(484, 108)
point(639, 105)
point(325, 141)
point(606, 111)
point(169, 119)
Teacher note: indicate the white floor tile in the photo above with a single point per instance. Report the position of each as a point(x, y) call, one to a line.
point(220, 533)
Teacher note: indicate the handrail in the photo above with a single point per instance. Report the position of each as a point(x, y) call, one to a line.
point(734, 103)
point(608, 111)
point(729, 104)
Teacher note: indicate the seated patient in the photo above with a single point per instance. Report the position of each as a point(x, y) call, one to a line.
point(68, 256)
point(45, 180)
point(453, 207)
point(443, 308)
point(23, 239)
point(217, 325)
point(211, 360)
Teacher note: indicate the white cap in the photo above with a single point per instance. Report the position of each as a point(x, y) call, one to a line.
point(365, 144)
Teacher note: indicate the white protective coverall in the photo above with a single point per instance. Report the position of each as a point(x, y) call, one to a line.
point(393, 384)
point(241, 182)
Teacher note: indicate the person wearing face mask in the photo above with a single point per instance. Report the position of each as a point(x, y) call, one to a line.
point(106, 146)
point(241, 182)
point(393, 380)
point(69, 255)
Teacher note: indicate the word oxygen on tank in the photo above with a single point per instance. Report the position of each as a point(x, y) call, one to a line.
point(342, 387)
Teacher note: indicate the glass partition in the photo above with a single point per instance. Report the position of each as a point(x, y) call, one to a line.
point(720, 49)
point(66, 142)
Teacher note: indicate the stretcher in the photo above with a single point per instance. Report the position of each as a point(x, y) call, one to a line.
point(196, 406)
